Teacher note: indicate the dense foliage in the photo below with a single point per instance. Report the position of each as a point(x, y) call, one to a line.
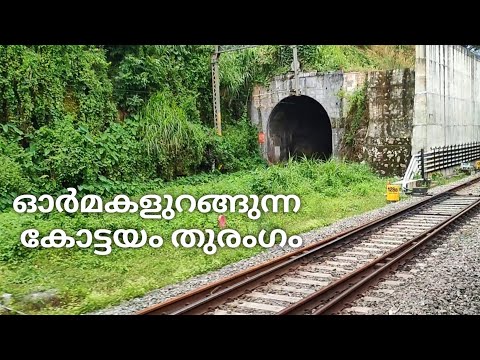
point(99, 117)
point(136, 120)
point(107, 118)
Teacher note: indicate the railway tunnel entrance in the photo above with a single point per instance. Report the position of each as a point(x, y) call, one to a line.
point(299, 126)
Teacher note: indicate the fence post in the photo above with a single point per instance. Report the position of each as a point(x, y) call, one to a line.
point(454, 154)
point(450, 152)
point(422, 164)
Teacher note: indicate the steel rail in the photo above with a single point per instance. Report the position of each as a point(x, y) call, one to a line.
point(202, 299)
point(351, 284)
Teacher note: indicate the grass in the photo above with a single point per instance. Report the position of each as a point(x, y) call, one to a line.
point(329, 191)
point(438, 179)
point(363, 57)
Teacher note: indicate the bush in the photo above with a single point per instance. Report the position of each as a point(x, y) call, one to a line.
point(172, 134)
point(12, 181)
point(139, 71)
point(237, 149)
point(9, 147)
point(330, 178)
point(64, 154)
point(122, 156)
point(40, 84)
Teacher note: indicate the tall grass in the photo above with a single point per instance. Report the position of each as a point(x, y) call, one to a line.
point(330, 178)
point(171, 135)
point(362, 57)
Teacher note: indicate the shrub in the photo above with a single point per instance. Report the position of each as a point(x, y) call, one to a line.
point(42, 83)
point(237, 149)
point(65, 154)
point(121, 155)
point(172, 134)
point(12, 181)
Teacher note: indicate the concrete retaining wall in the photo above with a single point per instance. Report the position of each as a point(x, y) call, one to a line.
point(447, 97)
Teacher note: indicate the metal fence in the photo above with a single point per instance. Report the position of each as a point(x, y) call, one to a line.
point(448, 156)
point(439, 158)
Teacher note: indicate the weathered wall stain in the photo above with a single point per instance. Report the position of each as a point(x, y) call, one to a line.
point(387, 142)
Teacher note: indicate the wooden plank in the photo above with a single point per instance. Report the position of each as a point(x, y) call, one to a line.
point(428, 217)
point(347, 258)
point(224, 312)
point(390, 246)
point(389, 241)
point(328, 268)
point(314, 274)
point(392, 236)
point(305, 281)
point(414, 225)
point(286, 298)
point(259, 306)
point(336, 263)
point(359, 253)
point(369, 249)
point(291, 289)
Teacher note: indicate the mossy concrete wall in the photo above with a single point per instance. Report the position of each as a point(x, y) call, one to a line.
point(387, 142)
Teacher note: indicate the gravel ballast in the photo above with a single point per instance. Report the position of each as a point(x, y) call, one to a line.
point(444, 279)
point(160, 295)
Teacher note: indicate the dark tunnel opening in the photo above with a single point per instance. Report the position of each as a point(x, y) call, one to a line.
point(299, 126)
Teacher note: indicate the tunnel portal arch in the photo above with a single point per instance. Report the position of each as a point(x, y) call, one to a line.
point(298, 126)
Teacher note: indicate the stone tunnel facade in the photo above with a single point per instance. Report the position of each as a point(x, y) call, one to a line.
point(299, 126)
point(320, 120)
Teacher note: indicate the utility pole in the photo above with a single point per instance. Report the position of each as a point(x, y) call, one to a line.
point(217, 116)
point(219, 49)
point(295, 69)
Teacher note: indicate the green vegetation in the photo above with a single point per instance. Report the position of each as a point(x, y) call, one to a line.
point(121, 119)
point(438, 179)
point(96, 116)
point(329, 191)
point(363, 57)
point(169, 134)
point(356, 114)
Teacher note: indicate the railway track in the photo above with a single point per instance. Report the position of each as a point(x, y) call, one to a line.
point(373, 300)
point(324, 277)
